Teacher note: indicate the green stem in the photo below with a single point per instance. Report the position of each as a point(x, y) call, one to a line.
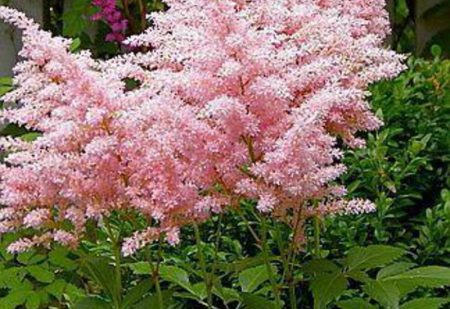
point(292, 295)
point(281, 248)
point(265, 252)
point(201, 259)
point(143, 14)
point(249, 227)
point(117, 265)
point(155, 274)
point(288, 274)
point(287, 271)
point(217, 244)
point(118, 274)
point(317, 237)
point(159, 293)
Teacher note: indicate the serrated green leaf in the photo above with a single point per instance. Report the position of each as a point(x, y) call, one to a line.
point(43, 296)
point(14, 299)
point(226, 294)
point(152, 301)
point(175, 275)
point(59, 258)
point(99, 270)
point(359, 275)
point(353, 186)
point(250, 279)
point(40, 273)
point(428, 276)
point(327, 287)
point(387, 294)
point(394, 269)
point(185, 295)
point(355, 303)
point(6, 255)
point(426, 303)
point(320, 266)
point(56, 288)
point(361, 258)
point(24, 257)
point(12, 277)
point(250, 301)
point(93, 302)
point(137, 292)
point(33, 301)
point(141, 268)
point(73, 293)
point(199, 290)
point(75, 18)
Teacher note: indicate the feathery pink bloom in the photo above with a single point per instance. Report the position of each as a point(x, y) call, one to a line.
point(236, 99)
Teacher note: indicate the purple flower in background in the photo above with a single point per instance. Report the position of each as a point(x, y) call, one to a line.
point(113, 17)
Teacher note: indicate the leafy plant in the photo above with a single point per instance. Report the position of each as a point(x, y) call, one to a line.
point(405, 165)
point(375, 277)
point(37, 278)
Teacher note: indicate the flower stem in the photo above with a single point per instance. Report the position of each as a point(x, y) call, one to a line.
point(117, 265)
point(217, 244)
point(317, 237)
point(155, 269)
point(201, 259)
point(159, 293)
point(291, 255)
point(249, 227)
point(265, 252)
point(292, 296)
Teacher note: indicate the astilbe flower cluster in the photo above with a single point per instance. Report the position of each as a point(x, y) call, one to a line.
point(110, 13)
point(235, 100)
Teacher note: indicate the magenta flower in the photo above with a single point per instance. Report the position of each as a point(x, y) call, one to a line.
point(109, 13)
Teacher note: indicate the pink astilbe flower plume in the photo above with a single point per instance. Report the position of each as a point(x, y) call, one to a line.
point(236, 99)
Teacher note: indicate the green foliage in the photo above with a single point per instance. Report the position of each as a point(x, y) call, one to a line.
point(251, 301)
point(5, 85)
point(326, 287)
point(372, 261)
point(389, 287)
point(403, 168)
point(76, 19)
point(432, 24)
point(38, 278)
point(250, 279)
point(429, 303)
point(372, 256)
point(99, 270)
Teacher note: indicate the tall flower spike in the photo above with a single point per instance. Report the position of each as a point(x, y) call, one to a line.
point(236, 99)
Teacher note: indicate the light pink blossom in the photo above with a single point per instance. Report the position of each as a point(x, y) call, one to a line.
point(234, 100)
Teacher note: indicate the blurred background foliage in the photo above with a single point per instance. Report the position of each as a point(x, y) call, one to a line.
point(419, 24)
